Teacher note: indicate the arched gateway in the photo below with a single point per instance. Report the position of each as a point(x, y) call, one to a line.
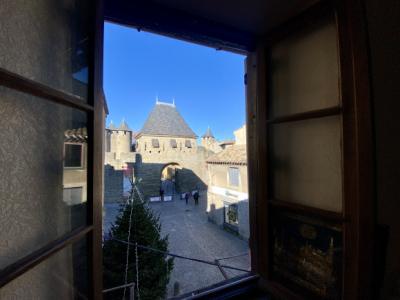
point(169, 184)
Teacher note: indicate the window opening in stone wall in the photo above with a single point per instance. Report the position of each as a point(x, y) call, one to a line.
point(173, 143)
point(233, 176)
point(73, 155)
point(155, 143)
point(179, 231)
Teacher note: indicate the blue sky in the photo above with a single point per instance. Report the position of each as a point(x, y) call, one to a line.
point(207, 84)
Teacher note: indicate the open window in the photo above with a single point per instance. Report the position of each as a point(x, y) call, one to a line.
point(308, 138)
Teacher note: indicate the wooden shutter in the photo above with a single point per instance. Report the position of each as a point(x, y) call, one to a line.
point(310, 149)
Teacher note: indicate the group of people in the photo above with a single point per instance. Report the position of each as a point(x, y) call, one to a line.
point(196, 197)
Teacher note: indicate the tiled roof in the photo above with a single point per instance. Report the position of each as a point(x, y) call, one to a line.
point(227, 142)
point(78, 135)
point(165, 120)
point(236, 154)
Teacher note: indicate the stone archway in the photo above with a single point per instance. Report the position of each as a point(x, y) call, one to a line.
point(168, 179)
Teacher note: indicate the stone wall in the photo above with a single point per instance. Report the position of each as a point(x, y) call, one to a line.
point(144, 146)
point(113, 184)
point(221, 193)
point(218, 176)
point(191, 166)
point(120, 161)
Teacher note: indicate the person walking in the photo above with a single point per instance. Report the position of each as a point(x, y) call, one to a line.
point(162, 194)
point(187, 197)
point(196, 197)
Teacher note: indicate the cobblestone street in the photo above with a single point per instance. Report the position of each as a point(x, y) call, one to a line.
point(192, 235)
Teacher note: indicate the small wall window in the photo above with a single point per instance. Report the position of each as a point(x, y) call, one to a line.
point(188, 144)
point(231, 214)
point(155, 143)
point(233, 176)
point(73, 155)
point(73, 195)
point(173, 143)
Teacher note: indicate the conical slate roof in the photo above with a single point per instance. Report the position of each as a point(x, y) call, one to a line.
point(123, 125)
point(165, 120)
point(112, 126)
point(208, 133)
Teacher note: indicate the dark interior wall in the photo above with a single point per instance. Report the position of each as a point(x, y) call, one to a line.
point(384, 37)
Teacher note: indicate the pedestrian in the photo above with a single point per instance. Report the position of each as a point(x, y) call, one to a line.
point(162, 194)
point(196, 197)
point(186, 197)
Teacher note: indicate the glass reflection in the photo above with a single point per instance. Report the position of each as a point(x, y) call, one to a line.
point(43, 186)
point(56, 34)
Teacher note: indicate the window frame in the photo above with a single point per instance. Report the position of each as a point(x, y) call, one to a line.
point(358, 185)
point(82, 156)
point(95, 109)
point(356, 117)
point(359, 181)
point(238, 178)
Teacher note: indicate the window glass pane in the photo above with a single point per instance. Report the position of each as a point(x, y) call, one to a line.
point(306, 162)
point(73, 155)
point(46, 41)
point(305, 72)
point(73, 195)
point(33, 211)
point(306, 255)
point(234, 176)
point(64, 275)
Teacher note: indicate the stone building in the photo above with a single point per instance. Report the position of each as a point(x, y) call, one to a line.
point(209, 142)
point(119, 155)
point(118, 143)
point(167, 155)
point(75, 166)
point(228, 187)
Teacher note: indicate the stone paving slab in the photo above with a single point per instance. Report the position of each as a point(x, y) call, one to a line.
point(192, 235)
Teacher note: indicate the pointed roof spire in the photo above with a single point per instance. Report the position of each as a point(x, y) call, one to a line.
point(111, 126)
point(165, 120)
point(208, 133)
point(123, 125)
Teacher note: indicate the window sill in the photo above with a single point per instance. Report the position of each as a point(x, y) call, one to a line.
point(231, 288)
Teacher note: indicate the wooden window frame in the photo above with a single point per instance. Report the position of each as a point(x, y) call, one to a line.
point(94, 109)
point(356, 110)
point(357, 217)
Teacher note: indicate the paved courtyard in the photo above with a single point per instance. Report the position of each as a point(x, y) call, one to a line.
point(192, 235)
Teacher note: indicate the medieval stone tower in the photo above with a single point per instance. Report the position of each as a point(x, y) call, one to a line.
point(209, 142)
point(167, 155)
point(118, 155)
point(119, 150)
